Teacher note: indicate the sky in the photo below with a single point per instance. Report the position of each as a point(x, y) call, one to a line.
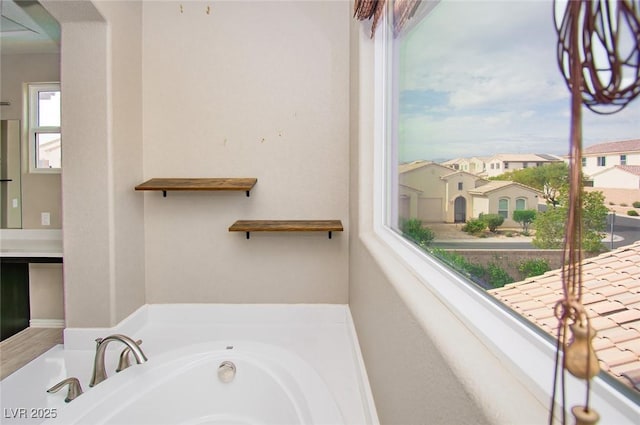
point(479, 78)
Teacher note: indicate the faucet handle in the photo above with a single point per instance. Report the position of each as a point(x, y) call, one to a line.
point(75, 389)
point(124, 361)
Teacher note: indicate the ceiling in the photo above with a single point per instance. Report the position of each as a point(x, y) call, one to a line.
point(27, 27)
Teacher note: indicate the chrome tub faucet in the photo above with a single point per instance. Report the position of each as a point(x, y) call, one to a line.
point(99, 372)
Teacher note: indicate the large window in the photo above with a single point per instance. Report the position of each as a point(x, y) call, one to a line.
point(475, 79)
point(45, 144)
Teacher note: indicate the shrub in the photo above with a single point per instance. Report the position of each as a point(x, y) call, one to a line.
point(497, 276)
point(533, 267)
point(493, 221)
point(632, 213)
point(525, 218)
point(413, 229)
point(636, 204)
point(611, 203)
point(474, 226)
point(624, 204)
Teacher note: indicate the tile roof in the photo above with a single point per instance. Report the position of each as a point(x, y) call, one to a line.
point(624, 146)
point(611, 297)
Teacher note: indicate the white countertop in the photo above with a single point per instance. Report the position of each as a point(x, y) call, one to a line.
point(31, 243)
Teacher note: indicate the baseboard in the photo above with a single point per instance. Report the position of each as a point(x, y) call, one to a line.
point(46, 323)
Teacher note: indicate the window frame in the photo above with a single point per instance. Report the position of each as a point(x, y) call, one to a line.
point(524, 201)
point(410, 270)
point(623, 159)
point(32, 128)
point(601, 161)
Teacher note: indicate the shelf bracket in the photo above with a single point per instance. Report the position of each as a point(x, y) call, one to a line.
point(247, 192)
point(329, 234)
point(247, 233)
point(164, 193)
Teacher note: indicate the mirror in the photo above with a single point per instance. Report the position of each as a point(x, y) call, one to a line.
point(10, 175)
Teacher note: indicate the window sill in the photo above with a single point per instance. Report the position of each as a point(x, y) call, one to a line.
point(45, 171)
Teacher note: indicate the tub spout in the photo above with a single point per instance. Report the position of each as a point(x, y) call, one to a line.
point(99, 372)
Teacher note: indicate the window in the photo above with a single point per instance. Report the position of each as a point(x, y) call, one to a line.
point(459, 185)
point(584, 161)
point(45, 144)
point(459, 86)
point(503, 207)
point(602, 161)
point(623, 159)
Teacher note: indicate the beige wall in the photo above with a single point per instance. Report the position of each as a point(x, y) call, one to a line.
point(252, 89)
point(102, 161)
point(40, 192)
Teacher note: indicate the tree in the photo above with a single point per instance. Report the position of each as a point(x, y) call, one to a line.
point(525, 218)
point(551, 179)
point(550, 225)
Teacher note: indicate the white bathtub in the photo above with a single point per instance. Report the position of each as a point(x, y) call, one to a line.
point(271, 386)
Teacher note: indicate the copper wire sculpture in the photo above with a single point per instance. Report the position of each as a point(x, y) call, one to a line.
point(598, 53)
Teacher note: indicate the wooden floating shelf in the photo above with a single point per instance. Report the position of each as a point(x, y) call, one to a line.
point(249, 226)
point(211, 184)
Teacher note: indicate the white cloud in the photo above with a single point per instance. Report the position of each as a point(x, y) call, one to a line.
point(490, 81)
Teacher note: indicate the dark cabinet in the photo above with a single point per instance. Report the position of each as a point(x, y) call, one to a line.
point(14, 297)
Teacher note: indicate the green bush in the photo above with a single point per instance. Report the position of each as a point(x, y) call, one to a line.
point(525, 218)
point(632, 213)
point(533, 267)
point(413, 229)
point(497, 276)
point(493, 221)
point(624, 204)
point(474, 226)
point(636, 204)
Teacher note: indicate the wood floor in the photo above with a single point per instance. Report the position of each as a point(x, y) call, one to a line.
point(25, 346)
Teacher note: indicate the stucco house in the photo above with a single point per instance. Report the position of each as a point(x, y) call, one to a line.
point(474, 165)
point(618, 177)
point(430, 192)
point(602, 156)
point(502, 163)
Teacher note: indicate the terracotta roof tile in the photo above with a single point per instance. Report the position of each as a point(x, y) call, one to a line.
point(619, 334)
point(610, 290)
point(634, 378)
point(614, 356)
point(606, 307)
point(633, 346)
point(627, 316)
point(611, 297)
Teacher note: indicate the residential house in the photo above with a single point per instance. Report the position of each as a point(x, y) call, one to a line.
point(618, 177)
point(596, 158)
point(611, 298)
point(473, 165)
point(502, 163)
point(430, 192)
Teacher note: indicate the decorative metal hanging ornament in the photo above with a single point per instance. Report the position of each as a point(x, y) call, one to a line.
point(608, 48)
point(598, 53)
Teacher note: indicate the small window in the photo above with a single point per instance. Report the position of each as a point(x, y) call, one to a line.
point(584, 161)
point(521, 204)
point(506, 165)
point(45, 144)
point(623, 159)
point(503, 207)
point(602, 161)
point(459, 185)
